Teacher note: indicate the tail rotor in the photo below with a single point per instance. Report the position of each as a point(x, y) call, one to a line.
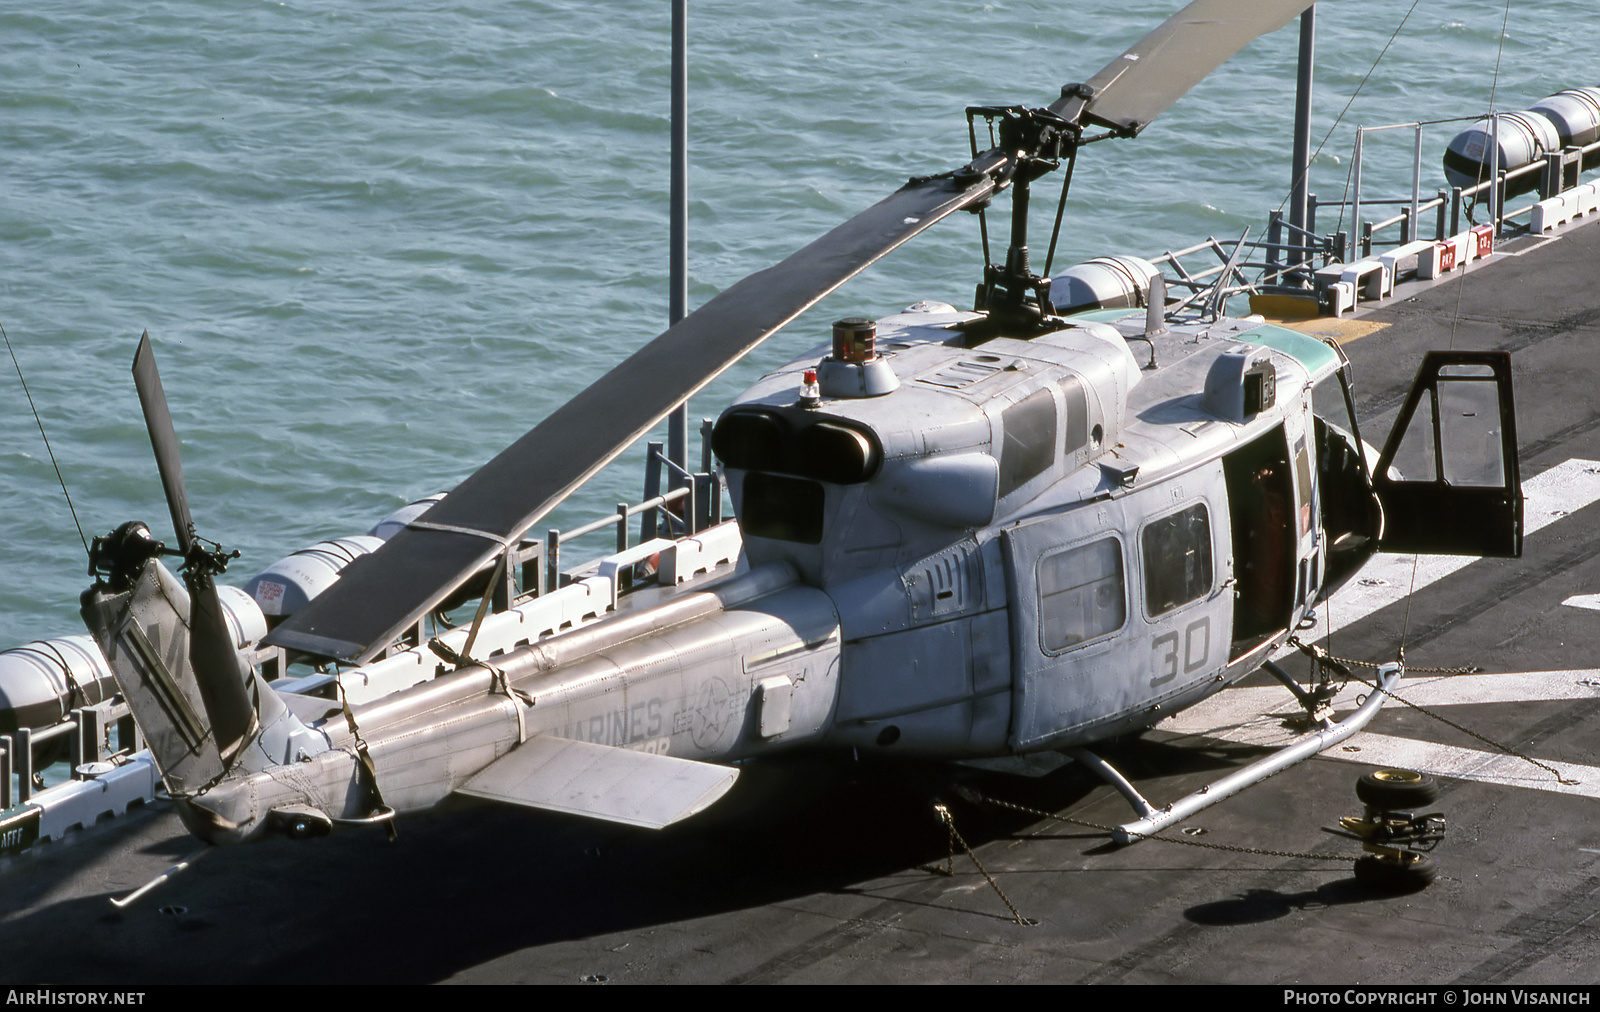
point(212, 654)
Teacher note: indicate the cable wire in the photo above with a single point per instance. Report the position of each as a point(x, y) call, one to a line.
point(40, 422)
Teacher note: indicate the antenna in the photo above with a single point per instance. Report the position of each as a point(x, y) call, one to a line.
point(40, 422)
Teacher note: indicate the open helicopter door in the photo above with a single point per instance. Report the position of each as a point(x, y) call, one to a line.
point(1448, 478)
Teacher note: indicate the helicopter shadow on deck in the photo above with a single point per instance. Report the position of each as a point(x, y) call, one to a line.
point(476, 881)
point(1143, 759)
point(1257, 906)
point(1165, 771)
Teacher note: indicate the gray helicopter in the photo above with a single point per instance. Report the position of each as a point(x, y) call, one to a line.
point(1033, 525)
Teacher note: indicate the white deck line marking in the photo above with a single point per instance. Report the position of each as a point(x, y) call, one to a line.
point(1424, 690)
point(1468, 764)
point(1590, 601)
point(1563, 489)
point(1255, 716)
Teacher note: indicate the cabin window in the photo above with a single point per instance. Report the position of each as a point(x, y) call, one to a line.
point(1177, 560)
point(1082, 594)
point(780, 507)
point(1029, 434)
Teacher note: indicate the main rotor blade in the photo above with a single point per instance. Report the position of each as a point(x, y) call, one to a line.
point(1163, 66)
point(158, 421)
point(382, 594)
point(216, 667)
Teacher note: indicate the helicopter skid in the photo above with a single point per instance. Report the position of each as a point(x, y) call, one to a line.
point(1300, 749)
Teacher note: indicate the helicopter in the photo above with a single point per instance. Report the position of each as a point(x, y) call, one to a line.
point(960, 534)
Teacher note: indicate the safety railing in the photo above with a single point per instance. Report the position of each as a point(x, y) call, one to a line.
point(94, 734)
point(691, 503)
point(1288, 255)
point(1555, 173)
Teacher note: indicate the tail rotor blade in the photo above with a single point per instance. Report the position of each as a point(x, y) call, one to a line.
point(212, 656)
point(216, 667)
point(163, 439)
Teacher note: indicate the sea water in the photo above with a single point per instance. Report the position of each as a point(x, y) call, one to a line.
point(375, 243)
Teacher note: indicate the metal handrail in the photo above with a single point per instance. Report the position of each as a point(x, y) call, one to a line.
point(624, 513)
point(87, 727)
point(687, 517)
point(1447, 206)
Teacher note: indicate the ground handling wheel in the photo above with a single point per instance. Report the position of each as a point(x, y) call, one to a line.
point(1396, 790)
point(1404, 872)
point(1395, 831)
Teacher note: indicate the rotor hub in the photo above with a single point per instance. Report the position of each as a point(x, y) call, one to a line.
point(119, 557)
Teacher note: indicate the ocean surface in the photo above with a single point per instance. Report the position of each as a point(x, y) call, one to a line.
point(375, 243)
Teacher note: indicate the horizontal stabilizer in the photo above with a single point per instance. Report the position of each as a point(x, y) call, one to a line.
point(601, 782)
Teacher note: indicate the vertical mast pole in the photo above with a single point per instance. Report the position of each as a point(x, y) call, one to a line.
point(1302, 135)
point(678, 283)
point(1494, 171)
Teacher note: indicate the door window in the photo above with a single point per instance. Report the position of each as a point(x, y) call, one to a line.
point(1177, 559)
point(1082, 594)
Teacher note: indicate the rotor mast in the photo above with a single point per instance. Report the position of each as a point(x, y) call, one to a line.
point(1033, 143)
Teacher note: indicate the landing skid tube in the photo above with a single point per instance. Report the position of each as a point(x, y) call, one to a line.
point(1153, 820)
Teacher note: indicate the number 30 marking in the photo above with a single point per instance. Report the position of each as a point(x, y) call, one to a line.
point(1196, 642)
